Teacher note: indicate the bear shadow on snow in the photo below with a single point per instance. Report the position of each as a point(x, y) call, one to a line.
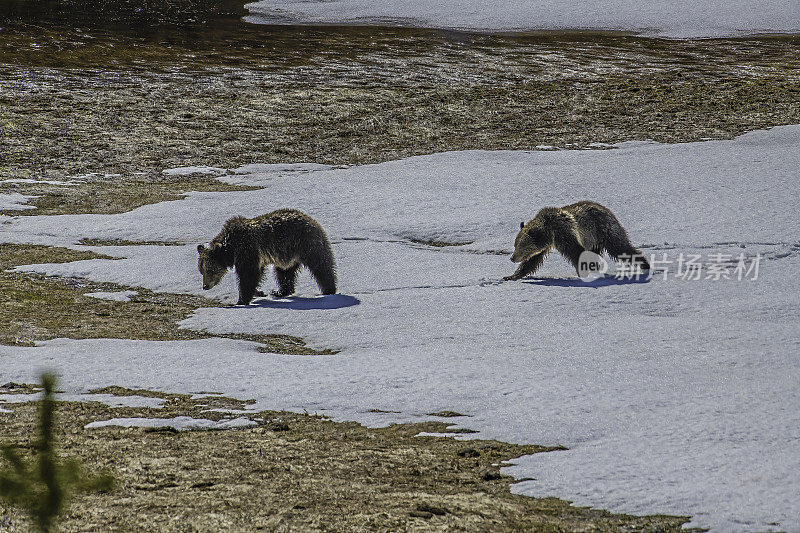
point(306, 303)
point(604, 281)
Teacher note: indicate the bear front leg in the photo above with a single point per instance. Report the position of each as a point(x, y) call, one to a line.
point(527, 267)
point(286, 278)
point(249, 278)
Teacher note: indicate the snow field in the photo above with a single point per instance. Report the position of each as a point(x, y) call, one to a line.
point(180, 423)
point(674, 396)
point(669, 18)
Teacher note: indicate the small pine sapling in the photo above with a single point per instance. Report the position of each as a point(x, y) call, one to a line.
point(43, 485)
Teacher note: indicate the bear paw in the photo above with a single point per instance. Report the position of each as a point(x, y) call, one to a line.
point(280, 294)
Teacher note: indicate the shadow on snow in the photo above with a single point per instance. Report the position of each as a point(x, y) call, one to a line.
point(306, 303)
point(604, 281)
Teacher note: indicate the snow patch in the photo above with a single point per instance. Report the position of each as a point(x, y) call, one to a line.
point(188, 171)
point(19, 398)
point(115, 296)
point(252, 174)
point(41, 181)
point(670, 18)
point(110, 400)
point(435, 434)
point(15, 201)
point(227, 411)
point(181, 423)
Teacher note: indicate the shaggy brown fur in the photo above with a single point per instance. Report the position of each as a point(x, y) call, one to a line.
point(571, 230)
point(286, 239)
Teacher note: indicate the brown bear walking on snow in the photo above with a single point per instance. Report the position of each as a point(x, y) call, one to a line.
point(286, 239)
point(571, 230)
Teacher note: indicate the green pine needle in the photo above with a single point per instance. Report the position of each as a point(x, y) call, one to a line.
point(43, 485)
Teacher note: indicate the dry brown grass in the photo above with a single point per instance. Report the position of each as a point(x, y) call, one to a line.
point(297, 472)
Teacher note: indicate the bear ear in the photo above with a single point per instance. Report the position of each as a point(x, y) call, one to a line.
point(522, 224)
point(200, 247)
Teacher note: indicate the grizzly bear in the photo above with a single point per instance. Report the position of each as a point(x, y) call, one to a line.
point(286, 239)
point(571, 230)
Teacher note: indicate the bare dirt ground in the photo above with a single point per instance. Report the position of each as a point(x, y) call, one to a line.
point(105, 108)
point(294, 472)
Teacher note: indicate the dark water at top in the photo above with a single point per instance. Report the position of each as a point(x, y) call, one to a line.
point(184, 36)
point(139, 16)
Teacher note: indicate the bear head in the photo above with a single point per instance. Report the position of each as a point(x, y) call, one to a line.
point(533, 238)
point(211, 264)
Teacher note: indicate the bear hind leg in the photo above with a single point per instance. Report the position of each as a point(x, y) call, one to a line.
point(326, 279)
point(622, 248)
point(286, 278)
point(324, 273)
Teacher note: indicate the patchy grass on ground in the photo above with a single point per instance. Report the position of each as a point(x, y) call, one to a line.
point(71, 130)
point(108, 194)
point(75, 101)
point(295, 472)
point(35, 307)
